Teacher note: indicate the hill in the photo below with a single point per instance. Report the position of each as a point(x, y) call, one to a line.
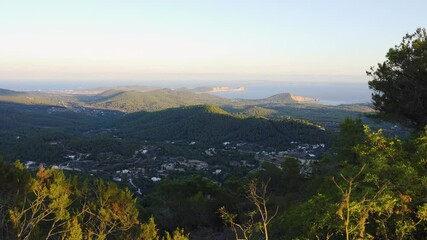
point(212, 125)
point(287, 98)
point(159, 99)
point(28, 118)
point(256, 111)
point(26, 98)
point(133, 101)
point(6, 92)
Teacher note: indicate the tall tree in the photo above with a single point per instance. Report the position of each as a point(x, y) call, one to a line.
point(108, 210)
point(258, 196)
point(400, 83)
point(46, 202)
point(14, 183)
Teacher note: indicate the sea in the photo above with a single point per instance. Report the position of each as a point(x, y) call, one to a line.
point(325, 93)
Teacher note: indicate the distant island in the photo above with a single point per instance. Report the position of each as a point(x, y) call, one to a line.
point(219, 89)
point(227, 89)
point(303, 99)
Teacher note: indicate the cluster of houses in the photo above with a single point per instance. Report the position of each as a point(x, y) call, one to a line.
point(149, 164)
point(306, 154)
point(302, 151)
point(66, 107)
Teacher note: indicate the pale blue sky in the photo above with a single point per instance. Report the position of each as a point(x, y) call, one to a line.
point(177, 39)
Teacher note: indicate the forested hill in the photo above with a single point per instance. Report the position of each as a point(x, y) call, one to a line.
point(27, 98)
point(210, 124)
point(277, 99)
point(7, 92)
point(133, 101)
point(159, 99)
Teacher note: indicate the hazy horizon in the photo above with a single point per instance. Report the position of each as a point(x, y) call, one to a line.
point(182, 80)
point(135, 41)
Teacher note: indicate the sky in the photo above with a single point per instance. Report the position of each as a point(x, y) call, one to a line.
point(178, 40)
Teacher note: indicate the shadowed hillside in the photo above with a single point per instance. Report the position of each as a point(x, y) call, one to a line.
point(210, 124)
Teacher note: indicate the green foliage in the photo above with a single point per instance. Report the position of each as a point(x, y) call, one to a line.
point(421, 149)
point(285, 183)
point(311, 219)
point(380, 193)
point(36, 133)
point(399, 83)
point(190, 202)
point(149, 230)
point(259, 112)
point(351, 133)
point(48, 198)
point(383, 203)
point(52, 206)
point(190, 124)
point(178, 234)
point(258, 220)
point(133, 101)
point(25, 98)
point(109, 210)
point(74, 230)
point(14, 180)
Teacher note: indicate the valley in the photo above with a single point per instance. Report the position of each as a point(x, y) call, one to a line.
point(133, 135)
